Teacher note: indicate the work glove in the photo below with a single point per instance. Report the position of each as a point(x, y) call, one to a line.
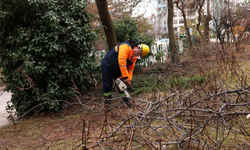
point(127, 82)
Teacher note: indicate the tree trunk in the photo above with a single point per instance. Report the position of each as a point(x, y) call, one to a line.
point(173, 49)
point(200, 5)
point(102, 6)
point(187, 29)
point(207, 19)
point(182, 9)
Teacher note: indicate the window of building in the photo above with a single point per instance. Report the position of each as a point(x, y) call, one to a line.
point(175, 28)
point(181, 21)
point(165, 22)
point(165, 29)
point(159, 1)
point(159, 9)
point(174, 21)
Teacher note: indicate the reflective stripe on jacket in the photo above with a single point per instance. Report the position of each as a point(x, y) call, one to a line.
point(120, 59)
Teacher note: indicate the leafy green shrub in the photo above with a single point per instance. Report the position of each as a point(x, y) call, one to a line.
point(159, 55)
point(48, 42)
point(185, 43)
point(127, 29)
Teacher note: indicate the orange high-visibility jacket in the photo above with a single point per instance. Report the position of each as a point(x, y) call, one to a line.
point(120, 59)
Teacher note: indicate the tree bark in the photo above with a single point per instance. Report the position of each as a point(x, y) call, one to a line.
point(182, 9)
point(207, 19)
point(199, 5)
point(173, 49)
point(102, 6)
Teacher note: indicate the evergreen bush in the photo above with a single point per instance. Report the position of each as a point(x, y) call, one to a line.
point(49, 42)
point(127, 29)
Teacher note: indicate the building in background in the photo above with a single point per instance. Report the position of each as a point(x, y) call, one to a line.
point(178, 21)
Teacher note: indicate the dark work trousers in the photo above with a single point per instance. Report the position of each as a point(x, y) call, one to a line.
point(108, 75)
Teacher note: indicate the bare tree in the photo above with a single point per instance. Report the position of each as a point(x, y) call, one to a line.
point(174, 50)
point(122, 8)
point(181, 4)
point(199, 4)
point(220, 19)
point(236, 19)
point(102, 6)
point(226, 18)
point(208, 18)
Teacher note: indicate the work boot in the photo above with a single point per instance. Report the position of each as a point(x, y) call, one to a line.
point(107, 103)
point(127, 102)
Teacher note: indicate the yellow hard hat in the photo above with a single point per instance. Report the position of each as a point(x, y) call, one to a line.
point(144, 50)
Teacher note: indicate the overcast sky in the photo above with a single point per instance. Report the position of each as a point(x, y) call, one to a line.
point(146, 6)
point(149, 7)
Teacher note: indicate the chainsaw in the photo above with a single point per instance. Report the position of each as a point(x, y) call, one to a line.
point(122, 87)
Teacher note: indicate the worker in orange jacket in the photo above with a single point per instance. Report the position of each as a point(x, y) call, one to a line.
point(119, 63)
